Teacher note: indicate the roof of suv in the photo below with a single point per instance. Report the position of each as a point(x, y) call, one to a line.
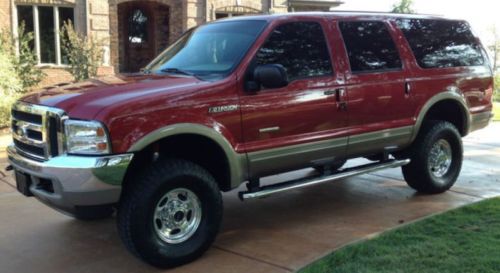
point(337, 15)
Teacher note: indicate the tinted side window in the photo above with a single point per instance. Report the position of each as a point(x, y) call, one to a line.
point(439, 43)
point(300, 47)
point(369, 46)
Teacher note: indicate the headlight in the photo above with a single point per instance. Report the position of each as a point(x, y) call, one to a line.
point(86, 137)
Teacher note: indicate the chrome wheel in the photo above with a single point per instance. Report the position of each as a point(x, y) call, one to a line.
point(440, 158)
point(177, 216)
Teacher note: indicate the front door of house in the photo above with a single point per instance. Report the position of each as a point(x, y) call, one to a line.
point(139, 38)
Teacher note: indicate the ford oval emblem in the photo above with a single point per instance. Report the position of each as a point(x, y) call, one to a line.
point(22, 131)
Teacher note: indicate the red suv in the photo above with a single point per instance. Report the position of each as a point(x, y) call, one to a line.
point(239, 99)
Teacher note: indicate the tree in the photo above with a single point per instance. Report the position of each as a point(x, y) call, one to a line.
point(21, 51)
point(405, 6)
point(494, 47)
point(84, 54)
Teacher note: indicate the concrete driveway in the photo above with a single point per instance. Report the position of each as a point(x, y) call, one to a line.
point(281, 233)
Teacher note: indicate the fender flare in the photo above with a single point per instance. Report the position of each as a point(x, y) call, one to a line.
point(454, 95)
point(237, 162)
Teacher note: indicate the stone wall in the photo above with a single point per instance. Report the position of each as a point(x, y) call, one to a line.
point(98, 28)
point(54, 76)
point(162, 19)
point(195, 13)
point(5, 14)
point(253, 6)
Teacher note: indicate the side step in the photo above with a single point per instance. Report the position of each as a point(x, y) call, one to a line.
point(310, 181)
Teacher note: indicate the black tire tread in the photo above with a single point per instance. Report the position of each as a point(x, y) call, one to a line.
point(164, 169)
point(415, 173)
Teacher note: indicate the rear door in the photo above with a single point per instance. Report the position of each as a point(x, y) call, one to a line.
point(380, 103)
point(302, 123)
point(448, 57)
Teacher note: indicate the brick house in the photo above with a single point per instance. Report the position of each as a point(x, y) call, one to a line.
point(131, 32)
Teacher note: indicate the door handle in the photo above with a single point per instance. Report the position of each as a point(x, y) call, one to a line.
point(407, 88)
point(340, 97)
point(329, 92)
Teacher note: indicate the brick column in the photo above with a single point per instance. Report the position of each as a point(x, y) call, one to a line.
point(99, 30)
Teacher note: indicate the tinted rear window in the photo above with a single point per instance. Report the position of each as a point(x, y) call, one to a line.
point(440, 43)
point(370, 46)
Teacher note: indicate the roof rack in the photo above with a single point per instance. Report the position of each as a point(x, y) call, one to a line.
point(383, 12)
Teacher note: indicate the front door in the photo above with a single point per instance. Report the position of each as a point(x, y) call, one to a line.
point(300, 124)
point(139, 36)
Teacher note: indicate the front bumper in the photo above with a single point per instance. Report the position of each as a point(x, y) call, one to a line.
point(67, 182)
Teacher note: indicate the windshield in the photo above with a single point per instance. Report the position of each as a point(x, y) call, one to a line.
point(209, 51)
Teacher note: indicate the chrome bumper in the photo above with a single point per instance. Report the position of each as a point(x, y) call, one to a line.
point(75, 180)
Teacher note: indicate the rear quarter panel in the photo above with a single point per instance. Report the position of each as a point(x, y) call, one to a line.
point(474, 83)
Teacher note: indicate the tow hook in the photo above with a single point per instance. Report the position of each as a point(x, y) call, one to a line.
point(9, 168)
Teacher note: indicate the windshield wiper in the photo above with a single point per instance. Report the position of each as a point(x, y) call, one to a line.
point(178, 71)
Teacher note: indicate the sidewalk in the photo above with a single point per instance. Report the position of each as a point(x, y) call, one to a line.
point(5, 139)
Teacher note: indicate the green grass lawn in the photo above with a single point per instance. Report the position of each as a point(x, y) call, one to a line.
point(462, 240)
point(496, 111)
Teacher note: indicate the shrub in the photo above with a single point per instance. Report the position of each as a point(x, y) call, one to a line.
point(10, 84)
point(84, 54)
point(5, 105)
point(25, 62)
point(496, 96)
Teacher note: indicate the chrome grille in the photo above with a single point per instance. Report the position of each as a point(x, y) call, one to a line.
point(36, 130)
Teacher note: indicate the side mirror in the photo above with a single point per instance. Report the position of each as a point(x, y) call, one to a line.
point(270, 75)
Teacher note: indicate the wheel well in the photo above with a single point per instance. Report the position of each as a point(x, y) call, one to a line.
point(451, 111)
point(195, 148)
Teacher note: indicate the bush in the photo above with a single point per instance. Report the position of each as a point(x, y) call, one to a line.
point(84, 54)
point(10, 85)
point(18, 69)
point(5, 105)
point(496, 95)
point(25, 63)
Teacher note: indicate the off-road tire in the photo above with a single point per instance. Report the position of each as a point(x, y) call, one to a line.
point(136, 210)
point(418, 174)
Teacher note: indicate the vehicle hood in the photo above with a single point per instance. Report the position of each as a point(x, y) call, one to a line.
point(86, 99)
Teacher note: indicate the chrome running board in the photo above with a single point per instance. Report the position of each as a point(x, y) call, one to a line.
point(315, 180)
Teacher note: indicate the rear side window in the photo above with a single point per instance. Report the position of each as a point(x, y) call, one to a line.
point(369, 46)
point(300, 47)
point(440, 43)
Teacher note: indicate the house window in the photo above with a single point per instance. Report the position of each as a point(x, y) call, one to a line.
point(45, 22)
point(138, 27)
point(221, 15)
